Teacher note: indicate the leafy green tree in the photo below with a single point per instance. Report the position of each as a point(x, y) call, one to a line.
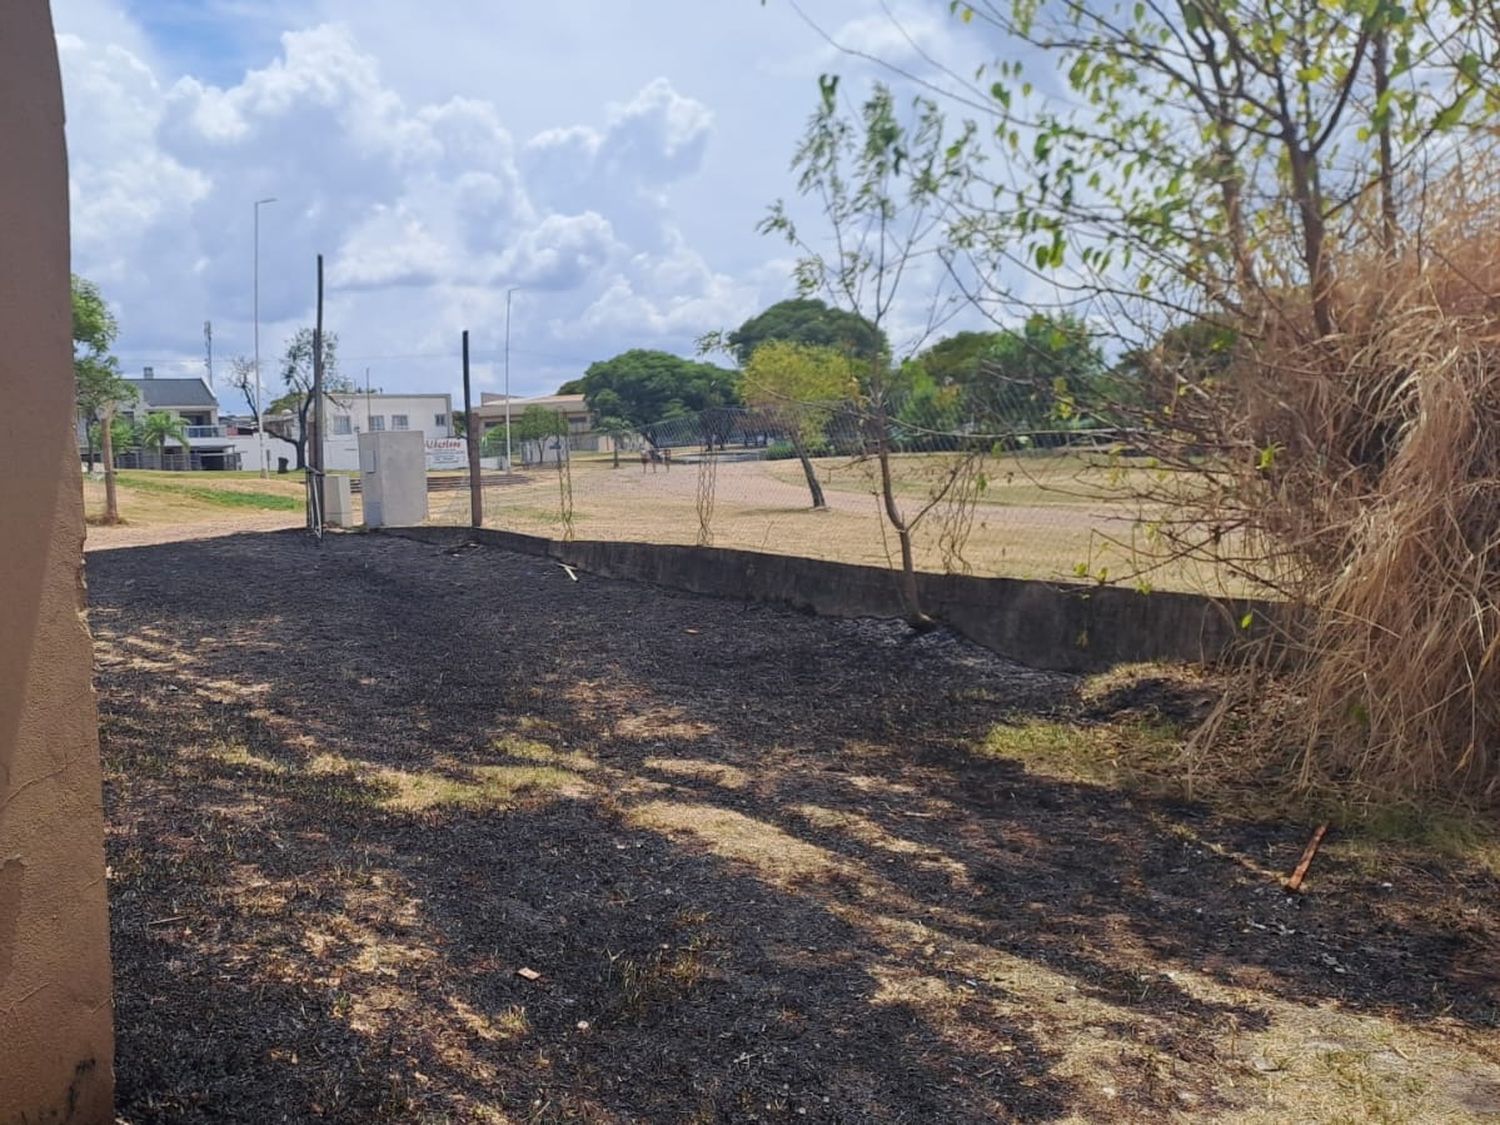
point(931, 413)
point(535, 425)
point(1220, 145)
point(642, 387)
point(1197, 352)
point(100, 388)
point(1049, 373)
point(542, 426)
point(955, 359)
point(297, 376)
point(124, 434)
point(796, 386)
point(809, 320)
point(158, 428)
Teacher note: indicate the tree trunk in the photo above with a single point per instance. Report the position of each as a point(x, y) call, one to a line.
point(909, 597)
point(107, 446)
point(1231, 185)
point(1309, 200)
point(813, 484)
point(615, 444)
point(1387, 175)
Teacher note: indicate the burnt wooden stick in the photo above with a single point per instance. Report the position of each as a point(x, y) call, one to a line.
point(1295, 882)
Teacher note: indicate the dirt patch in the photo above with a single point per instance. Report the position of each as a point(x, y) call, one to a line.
point(136, 532)
point(398, 834)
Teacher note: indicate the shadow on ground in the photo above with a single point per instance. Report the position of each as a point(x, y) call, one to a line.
point(405, 833)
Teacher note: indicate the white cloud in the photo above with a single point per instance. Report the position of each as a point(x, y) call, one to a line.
point(901, 40)
point(436, 158)
point(561, 252)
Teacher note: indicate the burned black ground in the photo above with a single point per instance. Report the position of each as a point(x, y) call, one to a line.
point(754, 860)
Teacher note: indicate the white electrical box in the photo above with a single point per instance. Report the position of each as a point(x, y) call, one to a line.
point(393, 478)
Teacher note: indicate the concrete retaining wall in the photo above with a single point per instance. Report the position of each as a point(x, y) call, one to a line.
point(1064, 626)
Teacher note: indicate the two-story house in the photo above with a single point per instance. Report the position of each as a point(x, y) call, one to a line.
point(208, 444)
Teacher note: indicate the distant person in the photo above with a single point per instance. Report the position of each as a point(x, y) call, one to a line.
point(666, 458)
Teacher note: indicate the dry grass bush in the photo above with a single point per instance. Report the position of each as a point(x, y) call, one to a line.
point(1358, 477)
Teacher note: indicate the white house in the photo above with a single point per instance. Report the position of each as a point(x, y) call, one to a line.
point(209, 445)
point(348, 416)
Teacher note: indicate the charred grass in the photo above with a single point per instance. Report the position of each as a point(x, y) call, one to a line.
point(399, 834)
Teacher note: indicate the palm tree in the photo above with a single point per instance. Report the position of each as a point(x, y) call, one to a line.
point(160, 428)
point(617, 430)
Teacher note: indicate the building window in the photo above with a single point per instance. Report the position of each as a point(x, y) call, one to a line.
point(400, 422)
point(440, 421)
point(343, 425)
point(377, 423)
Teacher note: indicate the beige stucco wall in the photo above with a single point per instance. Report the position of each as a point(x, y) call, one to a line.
point(56, 1045)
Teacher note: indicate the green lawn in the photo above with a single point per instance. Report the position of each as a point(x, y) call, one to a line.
point(175, 484)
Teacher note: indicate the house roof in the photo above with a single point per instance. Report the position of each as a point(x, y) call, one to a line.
point(564, 404)
point(159, 394)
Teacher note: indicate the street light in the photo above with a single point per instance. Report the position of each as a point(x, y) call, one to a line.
point(508, 292)
point(260, 413)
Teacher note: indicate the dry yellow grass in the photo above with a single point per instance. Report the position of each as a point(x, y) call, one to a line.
point(1046, 516)
point(158, 507)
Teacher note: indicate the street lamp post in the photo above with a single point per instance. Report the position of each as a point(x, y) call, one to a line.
point(508, 292)
point(260, 412)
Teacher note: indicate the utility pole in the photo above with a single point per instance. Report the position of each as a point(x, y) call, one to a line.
point(508, 292)
point(208, 348)
point(471, 440)
point(260, 407)
point(315, 439)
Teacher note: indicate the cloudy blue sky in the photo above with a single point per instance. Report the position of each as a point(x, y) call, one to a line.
point(611, 156)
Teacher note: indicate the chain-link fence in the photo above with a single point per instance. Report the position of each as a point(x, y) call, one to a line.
point(1031, 491)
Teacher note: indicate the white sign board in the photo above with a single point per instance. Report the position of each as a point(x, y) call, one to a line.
point(447, 453)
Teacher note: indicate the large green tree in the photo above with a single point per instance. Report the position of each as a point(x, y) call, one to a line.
point(955, 360)
point(809, 320)
point(642, 387)
point(1196, 353)
point(100, 387)
point(1048, 373)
